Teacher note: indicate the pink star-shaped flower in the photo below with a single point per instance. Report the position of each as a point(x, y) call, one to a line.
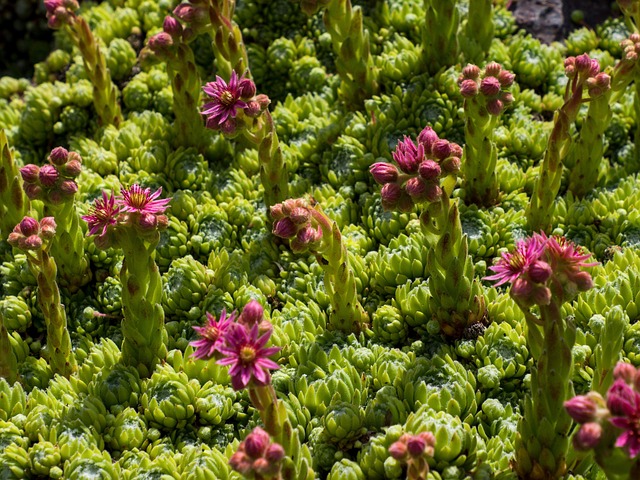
point(103, 213)
point(212, 335)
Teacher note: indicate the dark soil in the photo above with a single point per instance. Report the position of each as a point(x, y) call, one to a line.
point(551, 20)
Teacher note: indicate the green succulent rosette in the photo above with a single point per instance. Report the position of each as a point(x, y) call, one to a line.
point(403, 260)
point(343, 423)
point(204, 463)
point(14, 462)
point(90, 461)
point(373, 458)
point(127, 431)
point(45, 457)
point(12, 400)
point(346, 470)
point(385, 409)
point(184, 287)
point(118, 387)
point(215, 404)
point(389, 326)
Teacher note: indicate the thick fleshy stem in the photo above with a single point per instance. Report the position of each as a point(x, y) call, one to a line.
point(34, 238)
point(274, 173)
point(608, 349)
point(631, 11)
point(440, 34)
point(14, 204)
point(486, 94)
point(354, 63)
point(541, 204)
point(587, 151)
point(145, 337)
point(8, 362)
point(309, 229)
point(478, 30)
point(105, 94)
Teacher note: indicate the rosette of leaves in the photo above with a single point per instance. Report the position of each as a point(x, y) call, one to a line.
point(184, 286)
point(300, 321)
point(356, 240)
point(346, 469)
point(16, 275)
point(211, 230)
point(457, 443)
point(94, 157)
point(184, 204)
point(385, 409)
point(298, 415)
point(187, 169)
point(10, 86)
point(40, 419)
point(73, 436)
point(343, 423)
point(412, 300)
point(102, 357)
point(498, 417)
point(307, 75)
point(441, 383)
point(531, 61)
point(402, 260)
point(215, 404)
point(127, 431)
point(34, 372)
point(14, 462)
point(136, 95)
point(11, 434)
point(168, 398)
point(108, 295)
point(162, 466)
point(87, 409)
point(230, 269)
point(73, 119)
point(301, 280)
point(580, 41)
point(203, 462)
point(482, 239)
point(389, 326)
point(374, 458)
point(41, 110)
point(390, 365)
point(611, 33)
point(172, 244)
point(346, 164)
point(121, 57)
point(118, 387)
point(15, 313)
point(233, 182)
point(401, 58)
point(504, 23)
point(382, 225)
point(85, 463)
point(361, 357)
point(152, 156)
point(12, 400)
point(45, 457)
point(338, 205)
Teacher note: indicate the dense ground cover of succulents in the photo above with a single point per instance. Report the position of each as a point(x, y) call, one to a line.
point(403, 351)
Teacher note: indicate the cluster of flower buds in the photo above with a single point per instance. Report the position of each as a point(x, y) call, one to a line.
point(422, 166)
point(257, 456)
point(584, 70)
point(196, 17)
point(293, 220)
point(542, 268)
point(239, 342)
point(414, 450)
point(137, 207)
point(162, 43)
point(53, 182)
point(491, 84)
point(30, 234)
point(60, 12)
point(230, 102)
point(623, 72)
point(618, 414)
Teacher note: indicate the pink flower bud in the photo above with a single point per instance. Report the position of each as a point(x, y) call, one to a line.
point(309, 235)
point(441, 149)
point(427, 137)
point(252, 109)
point(384, 172)
point(58, 156)
point(172, 27)
point(588, 436)
point(252, 313)
point(285, 228)
point(247, 88)
point(14, 238)
point(162, 222)
point(451, 165)
point(429, 170)
point(160, 43)
point(68, 187)
point(408, 156)
point(541, 295)
point(263, 101)
point(190, 13)
point(276, 211)
point(624, 371)
point(147, 221)
point(433, 192)
point(581, 408)
point(390, 193)
point(570, 67)
point(416, 188)
point(256, 443)
point(300, 215)
point(416, 446)
point(33, 191)
point(490, 86)
point(33, 242)
point(261, 466)
point(275, 453)
point(492, 69)
point(229, 126)
point(595, 67)
point(72, 168)
point(56, 197)
point(583, 63)
point(468, 88)
point(48, 175)
point(456, 150)
point(29, 226)
point(398, 450)
point(48, 227)
point(540, 271)
point(240, 462)
point(506, 78)
point(30, 173)
point(471, 72)
point(495, 107)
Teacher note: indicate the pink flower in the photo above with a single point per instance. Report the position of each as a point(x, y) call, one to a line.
point(513, 265)
point(212, 335)
point(408, 156)
point(136, 199)
point(103, 213)
point(226, 99)
point(247, 356)
point(624, 404)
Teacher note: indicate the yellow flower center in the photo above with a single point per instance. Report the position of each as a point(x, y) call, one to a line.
point(247, 354)
point(212, 333)
point(138, 199)
point(226, 98)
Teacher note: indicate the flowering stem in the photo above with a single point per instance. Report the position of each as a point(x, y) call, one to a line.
point(456, 297)
point(479, 29)
point(58, 349)
point(105, 93)
point(354, 62)
point(228, 45)
point(274, 173)
point(8, 362)
point(272, 412)
point(543, 432)
point(440, 34)
point(13, 202)
point(143, 329)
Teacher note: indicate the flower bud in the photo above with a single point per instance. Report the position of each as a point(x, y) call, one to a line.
point(252, 313)
point(583, 63)
point(492, 69)
point(300, 215)
point(581, 408)
point(189, 13)
point(588, 436)
point(495, 107)
point(429, 170)
point(247, 88)
point(240, 462)
point(427, 137)
point(540, 271)
point(261, 466)
point(398, 450)
point(490, 86)
point(433, 192)
point(256, 443)
point(147, 221)
point(68, 187)
point(441, 149)
point(229, 127)
point(172, 27)
point(384, 172)
point(275, 453)
point(252, 109)
point(33, 191)
point(416, 188)
point(276, 211)
point(160, 43)
point(58, 156)
point(48, 175)
point(309, 235)
point(48, 227)
point(471, 72)
point(625, 371)
point(32, 242)
point(390, 193)
point(416, 446)
point(30, 173)
point(506, 78)
point(72, 168)
point(468, 88)
point(408, 156)
point(263, 101)
point(285, 228)
point(451, 165)
point(29, 226)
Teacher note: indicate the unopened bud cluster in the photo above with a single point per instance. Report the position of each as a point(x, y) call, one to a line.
point(292, 220)
point(414, 451)
point(257, 457)
point(492, 84)
point(583, 69)
point(30, 234)
point(420, 168)
point(619, 413)
point(60, 12)
point(53, 182)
